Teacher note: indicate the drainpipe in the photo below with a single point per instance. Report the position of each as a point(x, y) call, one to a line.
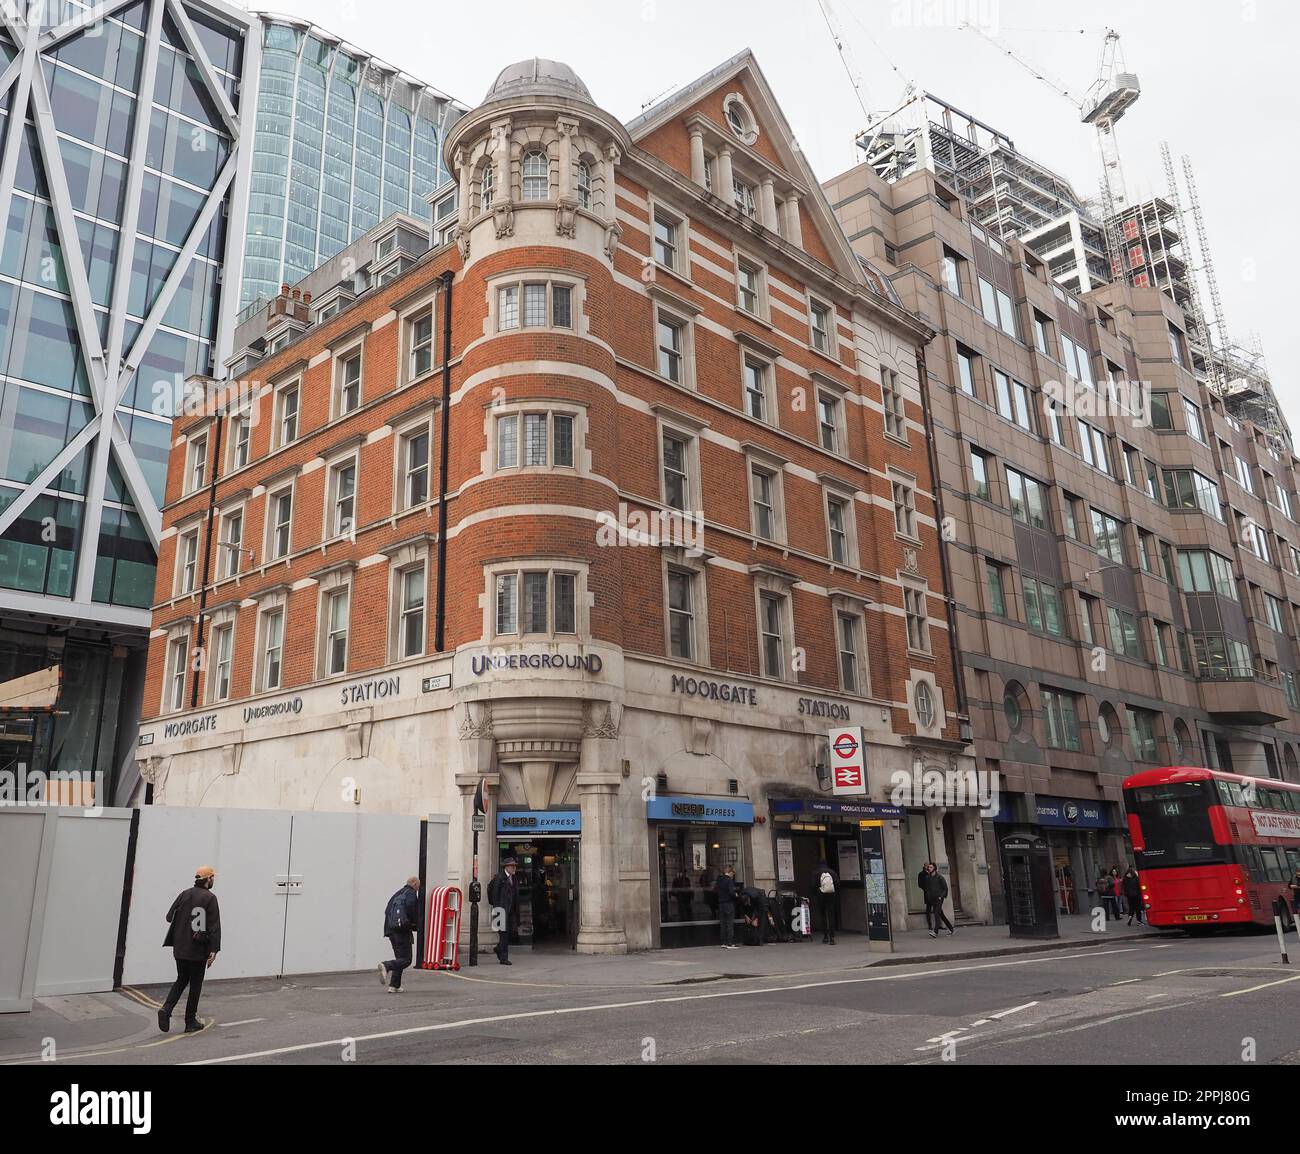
point(440, 613)
point(937, 486)
point(207, 553)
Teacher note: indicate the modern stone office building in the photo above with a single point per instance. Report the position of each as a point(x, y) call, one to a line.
point(1127, 577)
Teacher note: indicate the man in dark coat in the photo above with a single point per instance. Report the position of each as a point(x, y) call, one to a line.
point(503, 895)
point(725, 891)
point(935, 888)
point(401, 919)
point(195, 938)
point(826, 892)
point(753, 904)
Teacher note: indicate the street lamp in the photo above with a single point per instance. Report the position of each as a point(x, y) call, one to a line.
point(478, 821)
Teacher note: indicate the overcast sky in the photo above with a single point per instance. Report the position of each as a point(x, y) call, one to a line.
point(1218, 83)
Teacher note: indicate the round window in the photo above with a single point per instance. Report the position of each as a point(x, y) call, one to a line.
point(1011, 707)
point(1107, 724)
point(739, 118)
point(923, 698)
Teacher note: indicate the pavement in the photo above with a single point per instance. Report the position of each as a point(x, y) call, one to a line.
point(101, 1025)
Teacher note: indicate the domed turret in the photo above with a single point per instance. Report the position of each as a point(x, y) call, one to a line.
point(537, 77)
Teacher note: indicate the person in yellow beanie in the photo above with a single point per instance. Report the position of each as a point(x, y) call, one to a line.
point(194, 934)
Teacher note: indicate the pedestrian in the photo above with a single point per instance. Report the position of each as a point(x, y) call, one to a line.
point(725, 890)
point(401, 918)
point(1117, 888)
point(503, 895)
point(1106, 893)
point(1132, 886)
point(1294, 887)
point(935, 888)
point(194, 934)
point(826, 888)
point(753, 904)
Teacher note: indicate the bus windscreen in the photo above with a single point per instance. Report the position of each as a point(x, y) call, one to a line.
point(1175, 821)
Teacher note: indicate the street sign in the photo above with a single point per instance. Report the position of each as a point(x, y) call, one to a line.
point(848, 761)
point(478, 823)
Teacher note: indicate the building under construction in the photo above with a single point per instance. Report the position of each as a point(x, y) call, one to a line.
point(1009, 194)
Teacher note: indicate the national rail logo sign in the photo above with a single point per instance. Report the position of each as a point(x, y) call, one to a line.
point(848, 761)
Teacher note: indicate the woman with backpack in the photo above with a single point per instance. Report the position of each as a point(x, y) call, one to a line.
point(935, 888)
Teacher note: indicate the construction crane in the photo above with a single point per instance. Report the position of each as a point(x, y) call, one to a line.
point(1114, 91)
point(846, 55)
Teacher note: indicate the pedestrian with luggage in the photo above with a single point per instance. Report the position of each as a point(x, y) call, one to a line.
point(826, 889)
point(503, 896)
point(401, 918)
point(1133, 895)
point(725, 891)
point(194, 934)
point(934, 887)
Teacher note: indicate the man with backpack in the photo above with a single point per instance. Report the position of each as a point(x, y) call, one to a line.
point(401, 918)
point(195, 938)
point(826, 889)
point(503, 896)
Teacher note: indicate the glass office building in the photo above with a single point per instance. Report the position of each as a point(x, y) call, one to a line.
point(342, 141)
point(162, 163)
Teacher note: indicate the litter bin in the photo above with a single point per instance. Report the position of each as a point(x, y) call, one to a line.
point(1029, 875)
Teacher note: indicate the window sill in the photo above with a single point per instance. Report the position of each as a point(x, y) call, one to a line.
point(897, 439)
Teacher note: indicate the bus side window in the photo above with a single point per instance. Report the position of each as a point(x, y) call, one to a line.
point(1254, 868)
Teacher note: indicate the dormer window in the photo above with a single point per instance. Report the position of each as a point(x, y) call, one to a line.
point(584, 184)
point(386, 247)
point(536, 176)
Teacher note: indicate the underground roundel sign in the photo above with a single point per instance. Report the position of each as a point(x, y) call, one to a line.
point(848, 761)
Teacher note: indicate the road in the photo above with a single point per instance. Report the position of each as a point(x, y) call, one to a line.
point(1174, 1001)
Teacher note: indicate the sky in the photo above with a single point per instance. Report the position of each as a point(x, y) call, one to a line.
point(1217, 77)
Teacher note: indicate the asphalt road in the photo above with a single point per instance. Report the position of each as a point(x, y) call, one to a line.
point(1172, 1002)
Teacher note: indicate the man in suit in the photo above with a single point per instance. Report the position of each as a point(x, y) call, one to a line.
point(195, 938)
point(503, 895)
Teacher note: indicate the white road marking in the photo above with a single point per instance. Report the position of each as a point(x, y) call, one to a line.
point(927, 972)
point(1013, 1010)
point(1126, 982)
point(979, 1022)
point(1265, 986)
point(242, 1022)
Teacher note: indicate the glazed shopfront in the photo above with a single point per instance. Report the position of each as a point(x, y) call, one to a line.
point(546, 845)
point(692, 840)
point(1086, 838)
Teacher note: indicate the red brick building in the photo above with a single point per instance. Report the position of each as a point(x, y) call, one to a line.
point(683, 525)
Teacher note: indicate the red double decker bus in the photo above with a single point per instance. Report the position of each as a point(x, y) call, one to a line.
point(1213, 848)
